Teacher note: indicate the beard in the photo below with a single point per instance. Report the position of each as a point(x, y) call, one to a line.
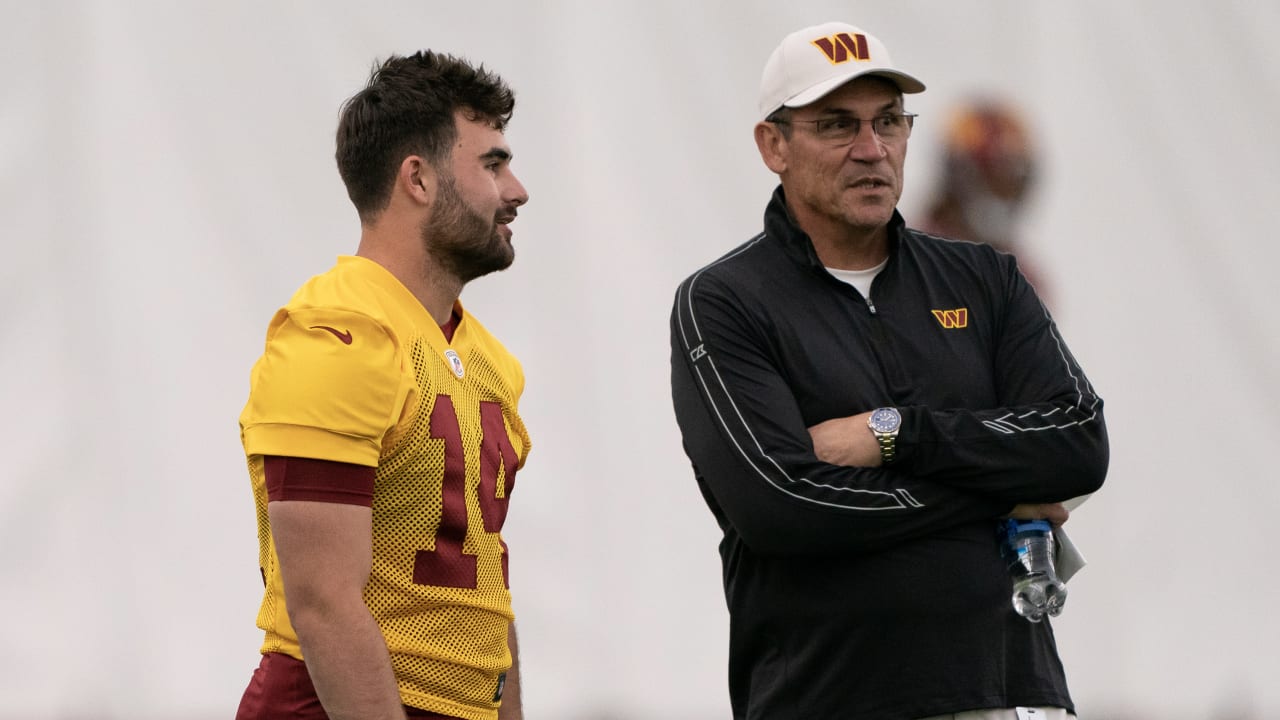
point(465, 243)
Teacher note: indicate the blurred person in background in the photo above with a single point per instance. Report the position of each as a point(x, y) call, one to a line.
point(861, 402)
point(988, 171)
point(382, 431)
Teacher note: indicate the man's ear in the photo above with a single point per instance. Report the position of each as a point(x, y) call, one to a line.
point(772, 146)
point(417, 180)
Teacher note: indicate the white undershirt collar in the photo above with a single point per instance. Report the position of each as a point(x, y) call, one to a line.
point(860, 279)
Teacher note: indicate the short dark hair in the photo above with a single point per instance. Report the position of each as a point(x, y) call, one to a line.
point(407, 108)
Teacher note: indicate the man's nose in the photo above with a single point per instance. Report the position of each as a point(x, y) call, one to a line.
point(866, 144)
point(516, 194)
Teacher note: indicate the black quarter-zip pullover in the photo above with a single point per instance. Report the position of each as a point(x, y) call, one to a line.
point(878, 593)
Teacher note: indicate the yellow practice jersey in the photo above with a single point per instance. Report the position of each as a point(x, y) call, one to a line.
point(355, 370)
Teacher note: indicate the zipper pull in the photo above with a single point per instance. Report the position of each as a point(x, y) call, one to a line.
point(871, 306)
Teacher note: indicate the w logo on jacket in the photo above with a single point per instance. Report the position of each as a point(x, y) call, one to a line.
point(953, 319)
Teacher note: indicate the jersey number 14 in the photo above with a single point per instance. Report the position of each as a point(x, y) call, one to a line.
point(447, 565)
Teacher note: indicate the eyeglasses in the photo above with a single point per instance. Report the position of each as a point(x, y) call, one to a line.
point(843, 129)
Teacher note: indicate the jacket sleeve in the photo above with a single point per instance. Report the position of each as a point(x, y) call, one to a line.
point(1048, 440)
point(743, 430)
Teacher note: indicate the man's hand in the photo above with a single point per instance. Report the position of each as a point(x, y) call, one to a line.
point(846, 441)
point(1055, 513)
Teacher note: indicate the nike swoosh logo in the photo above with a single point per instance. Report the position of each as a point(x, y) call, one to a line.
point(345, 337)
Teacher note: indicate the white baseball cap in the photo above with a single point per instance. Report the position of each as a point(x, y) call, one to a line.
point(816, 60)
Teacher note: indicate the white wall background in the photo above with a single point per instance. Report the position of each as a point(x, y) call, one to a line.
point(166, 181)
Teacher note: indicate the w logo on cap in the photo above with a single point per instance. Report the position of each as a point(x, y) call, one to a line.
point(842, 47)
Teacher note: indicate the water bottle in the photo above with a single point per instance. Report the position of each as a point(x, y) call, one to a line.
point(1028, 548)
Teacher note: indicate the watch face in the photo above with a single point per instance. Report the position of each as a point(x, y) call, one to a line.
point(885, 420)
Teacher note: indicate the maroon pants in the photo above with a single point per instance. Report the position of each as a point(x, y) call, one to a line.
point(281, 689)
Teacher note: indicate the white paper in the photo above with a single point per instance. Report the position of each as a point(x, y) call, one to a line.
point(1069, 559)
point(1077, 501)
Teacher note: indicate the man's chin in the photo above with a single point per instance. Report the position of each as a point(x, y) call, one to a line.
point(503, 256)
point(508, 249)
point(869, 216)
point(507, 261)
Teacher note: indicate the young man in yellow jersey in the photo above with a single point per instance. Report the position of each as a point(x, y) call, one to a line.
point(382, 432)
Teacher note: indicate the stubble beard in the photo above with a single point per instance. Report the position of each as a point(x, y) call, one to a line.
point(464, 243)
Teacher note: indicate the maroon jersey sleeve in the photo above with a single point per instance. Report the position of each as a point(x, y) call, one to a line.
point(294, 478)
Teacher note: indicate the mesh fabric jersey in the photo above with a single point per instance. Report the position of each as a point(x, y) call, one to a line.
point(355, 370)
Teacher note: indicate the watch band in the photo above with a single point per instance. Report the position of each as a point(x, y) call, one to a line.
point(888, 446)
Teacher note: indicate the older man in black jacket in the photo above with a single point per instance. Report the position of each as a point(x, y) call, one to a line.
point(861, 403)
